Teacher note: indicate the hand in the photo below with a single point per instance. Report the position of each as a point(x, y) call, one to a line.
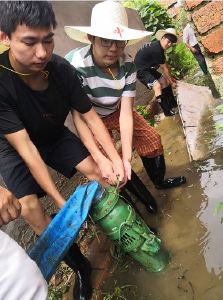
point(128, 171)
point(10, 208)
point(193, 50)
point(109, 171)
point(174, 83)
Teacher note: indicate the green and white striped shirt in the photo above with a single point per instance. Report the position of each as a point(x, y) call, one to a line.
point(100, 87)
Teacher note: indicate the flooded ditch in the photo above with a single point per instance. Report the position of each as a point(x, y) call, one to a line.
point(185, 222)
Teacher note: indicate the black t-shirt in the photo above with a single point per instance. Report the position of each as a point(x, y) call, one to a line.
point(41, 113)
point(150, 55)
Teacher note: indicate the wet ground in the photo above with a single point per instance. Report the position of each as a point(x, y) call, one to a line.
point(185, 222)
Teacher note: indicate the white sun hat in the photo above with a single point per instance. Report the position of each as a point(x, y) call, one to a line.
point(160, 33)
point(108, 20)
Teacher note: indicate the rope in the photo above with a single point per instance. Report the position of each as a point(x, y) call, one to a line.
point(115, 79)
point(45, 72)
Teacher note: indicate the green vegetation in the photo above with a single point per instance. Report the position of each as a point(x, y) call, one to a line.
point(55, 293)
point(180, 60)
point(142, 110)
point(118, 293)
point(155, 17)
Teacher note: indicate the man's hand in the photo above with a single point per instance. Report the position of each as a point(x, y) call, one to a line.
point(10, 208)
point(108, 170)
point(193, 50)
point(174, 83)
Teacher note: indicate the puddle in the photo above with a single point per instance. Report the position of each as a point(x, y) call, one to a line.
point(185, 223)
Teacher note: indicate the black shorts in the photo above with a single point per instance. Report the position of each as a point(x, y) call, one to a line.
point(62, 155)
point(149, 78)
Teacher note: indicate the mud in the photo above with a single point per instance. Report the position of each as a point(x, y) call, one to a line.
point(185, 223)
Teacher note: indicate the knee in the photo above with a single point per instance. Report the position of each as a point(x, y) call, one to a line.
point(157, 89)
point(94, 174)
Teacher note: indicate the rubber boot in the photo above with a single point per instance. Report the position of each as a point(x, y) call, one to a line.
point(168, 92)
point(82, 268)
point(156, 169)
point(163, 102)
point(125, 196)
point(137, 188)
point(203, 67)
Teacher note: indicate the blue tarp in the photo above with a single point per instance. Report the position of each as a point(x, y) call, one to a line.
point(58, 237)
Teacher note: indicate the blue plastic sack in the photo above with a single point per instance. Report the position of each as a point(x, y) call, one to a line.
point(55, 241)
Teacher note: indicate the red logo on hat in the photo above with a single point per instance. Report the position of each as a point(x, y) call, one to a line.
point(119, 31)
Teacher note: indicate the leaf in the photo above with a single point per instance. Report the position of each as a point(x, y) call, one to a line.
point(177, 199)
point(218, 208)
point(196, 165)
point(117, 291)
point(190, 185)
point(220, 107)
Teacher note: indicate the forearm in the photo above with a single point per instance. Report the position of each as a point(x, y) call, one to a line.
point(101, 134)
point(86, 136)
point(188, 46)
point(27, 150)
point(42, 176)
point(168, 73)
point(126, 131)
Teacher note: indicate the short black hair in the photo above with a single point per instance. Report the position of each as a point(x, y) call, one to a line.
point(172, 38)
point(32, 13)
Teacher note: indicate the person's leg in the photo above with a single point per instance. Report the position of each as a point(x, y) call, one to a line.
point(155, 81)
point(147, 143)
point(90, 169)
point(163, 99)
point(21, 183)
point(34, 214)
point(200, 58)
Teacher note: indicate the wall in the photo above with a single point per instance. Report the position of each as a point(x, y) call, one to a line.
point(71, 13)
point(207, 21)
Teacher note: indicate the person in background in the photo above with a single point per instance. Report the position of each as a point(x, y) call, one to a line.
point(190, 41)
point(20, 277)
point(148, 59)
point(108, 76)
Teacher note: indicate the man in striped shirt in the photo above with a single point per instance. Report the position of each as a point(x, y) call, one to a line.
point(108, 76)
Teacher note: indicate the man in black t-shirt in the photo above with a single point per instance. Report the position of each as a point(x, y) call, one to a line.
point(37, 91)
point(148, 59)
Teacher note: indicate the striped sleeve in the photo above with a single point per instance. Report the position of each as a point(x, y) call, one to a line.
point(130, 80)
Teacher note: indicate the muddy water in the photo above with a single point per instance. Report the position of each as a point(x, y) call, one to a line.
point(185, 223)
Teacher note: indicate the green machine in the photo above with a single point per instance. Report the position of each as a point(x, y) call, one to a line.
point(127, 230)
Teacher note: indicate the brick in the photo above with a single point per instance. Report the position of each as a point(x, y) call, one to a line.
point(95, 247)
point(213, 43)
point(98, 277)
point(209, 16)
point(103, 261)
point(106, 246)
point(218, 66)
point(167, 3)
point(192, 4)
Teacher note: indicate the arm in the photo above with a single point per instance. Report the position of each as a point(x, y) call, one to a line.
point(168, 74)
point(126, 130)
point(89, 125)
point(27, 150)
point(193, 50)
point(10, 208)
